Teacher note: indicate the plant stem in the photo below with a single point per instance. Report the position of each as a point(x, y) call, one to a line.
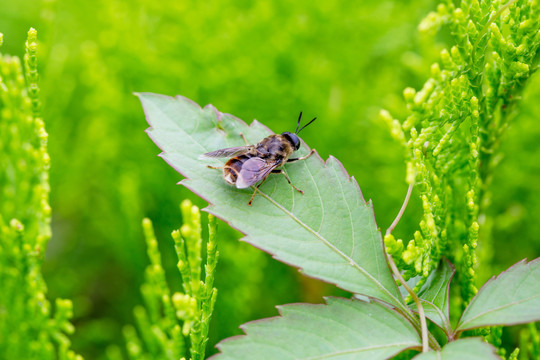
point(401, 211)
point(423, 324)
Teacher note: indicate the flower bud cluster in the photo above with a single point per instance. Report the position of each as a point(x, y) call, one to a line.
point(167, 319)
point(454, 126)
point(29, 329)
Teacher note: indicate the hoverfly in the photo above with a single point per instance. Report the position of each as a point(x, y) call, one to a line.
point(251, 164)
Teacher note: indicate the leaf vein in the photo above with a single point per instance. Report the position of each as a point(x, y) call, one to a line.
point(318, 195)
point(350, 215)
point(500, 308)
point(360, 350)
point(329, 244)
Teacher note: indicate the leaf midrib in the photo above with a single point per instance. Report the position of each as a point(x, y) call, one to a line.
point(438, 311)
point(361, 350)
point(497, 309)
point(330, 245)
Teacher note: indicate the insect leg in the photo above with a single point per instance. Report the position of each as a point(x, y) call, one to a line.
point(303, 157)
point(256, 189)
point(214, 167)
point(245, 140)
point(288, 180)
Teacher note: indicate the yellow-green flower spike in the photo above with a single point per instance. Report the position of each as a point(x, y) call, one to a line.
point(166, 320)
point(25, 216)
point(454, 126)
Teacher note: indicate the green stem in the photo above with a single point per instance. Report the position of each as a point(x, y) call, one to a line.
point(427, 338)
point(423, 323)
point(401, 211)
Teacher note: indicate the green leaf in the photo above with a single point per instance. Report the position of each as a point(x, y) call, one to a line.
point(329, 232)
point(343, 329)
point(463, 349)
point(434, 296)
point(511, 298)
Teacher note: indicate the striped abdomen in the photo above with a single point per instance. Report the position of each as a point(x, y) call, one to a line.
point(232, 168)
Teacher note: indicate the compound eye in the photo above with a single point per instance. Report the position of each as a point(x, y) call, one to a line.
point(293, 139)
point(296, 141)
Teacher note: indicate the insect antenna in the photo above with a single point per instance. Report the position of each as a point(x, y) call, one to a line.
point(298, 124)
point(302, 128)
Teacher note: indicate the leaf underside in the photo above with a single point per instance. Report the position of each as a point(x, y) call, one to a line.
point(462, 349)
point(329, 232)
point(343, 329)
point(511, 298)
point(435, 295)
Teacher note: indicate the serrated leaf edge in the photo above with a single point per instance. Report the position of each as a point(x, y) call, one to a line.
point(460, 328)
point(328, 302)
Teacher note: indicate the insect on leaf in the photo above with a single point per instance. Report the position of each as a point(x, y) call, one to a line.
point(329, 232)
point(343, 329)
point(511, 298)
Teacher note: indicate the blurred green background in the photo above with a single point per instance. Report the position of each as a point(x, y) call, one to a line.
point(337, 60)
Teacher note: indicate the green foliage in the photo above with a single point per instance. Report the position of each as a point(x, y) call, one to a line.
point(455, 125)
point(333, 331)
point(28, 328)
point(167, 320)
point(510, 298)
point(435, 296)
point(335, 60)
point(529, 343)
point(464, 349)
point(328, 234)
point(454, 128)
point(196, 305)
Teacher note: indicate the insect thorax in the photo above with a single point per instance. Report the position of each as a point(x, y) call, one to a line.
point(275, 147)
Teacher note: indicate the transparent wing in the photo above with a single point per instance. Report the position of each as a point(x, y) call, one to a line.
point(253, 171)
point(227, 152)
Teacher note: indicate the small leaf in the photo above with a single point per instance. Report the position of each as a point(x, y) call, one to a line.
point(463, 349)
point(329, 232)
point(435, 297)
point(343, 329)
point(511, 298)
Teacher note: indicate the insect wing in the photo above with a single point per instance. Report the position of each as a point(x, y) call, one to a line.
point(227, 152)
point(253, 171)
